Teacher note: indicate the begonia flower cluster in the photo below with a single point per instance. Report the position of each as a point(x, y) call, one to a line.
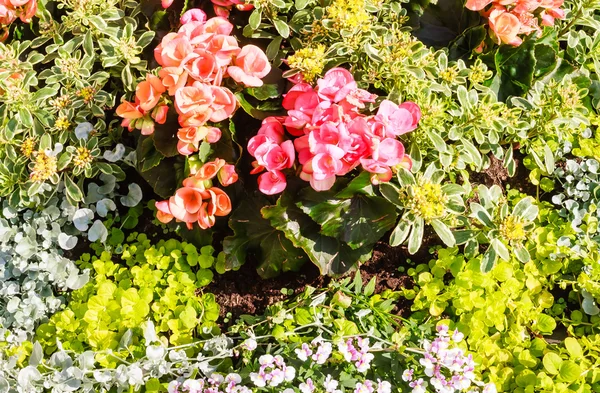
point(511, 19)
point(447, 367)
point(194, 62)
point(331, 136)
point(10, 10)
point(198, 200)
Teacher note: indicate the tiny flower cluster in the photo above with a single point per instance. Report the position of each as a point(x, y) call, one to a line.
point(10, 10)
point(194, 62)
point(198, 201)
point(318, 350)
point(332, 137)
point(448, 368)
point(356, 350)
point(216, 383)
point(508, 19)
point(273, 372)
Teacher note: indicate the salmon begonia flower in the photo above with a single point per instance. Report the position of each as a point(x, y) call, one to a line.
point(505, 27)
point(149, 92)
point(251, 64)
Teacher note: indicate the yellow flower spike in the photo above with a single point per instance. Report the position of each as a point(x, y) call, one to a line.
point(82, 157)
point(27, 147)
point(512, 229)
point(44, 168)
point(428, 201)
point(310, 61)
point(62, 123)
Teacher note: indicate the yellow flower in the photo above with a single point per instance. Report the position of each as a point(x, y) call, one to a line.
point(61, 102)
point(83, 157)
point(478, 73)
point(27, 147)
point(512, 229)
point(349, 15)
point(309, 61)
point(449, 74)
point(62, 123)
point(428, 201)
point(87, 93)
point(44, 167)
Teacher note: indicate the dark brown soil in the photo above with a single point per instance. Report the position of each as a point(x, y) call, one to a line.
point(244, 292)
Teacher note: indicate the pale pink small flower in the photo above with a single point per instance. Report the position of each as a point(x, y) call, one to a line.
point(303, 352)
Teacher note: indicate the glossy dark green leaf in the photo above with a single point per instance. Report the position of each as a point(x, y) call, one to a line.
point(252, 232)
point(331, 256)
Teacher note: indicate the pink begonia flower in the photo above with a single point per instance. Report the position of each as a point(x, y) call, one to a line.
point(166, 3)
point(336, 84)
point(276, 157)
point(251, 64)
point(271, 183)
point(295, 121)
point(302, 146)
point(325, 165)
point(149, 92)
point(193, 15)
point(289, 99)
point(398, 120)
point(272, 128)
point(389, 152)
point(221, 11)
point(505, 26)
point(552, 11)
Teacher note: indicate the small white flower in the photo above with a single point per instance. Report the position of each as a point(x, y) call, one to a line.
point(490, 388)
point(266, 360)
point(249, 345)
point(457, 336)
point(258, 379)
point(290, 373)
point(307, 387)
point(330, 384)
point(383, 386)
point(303, 352)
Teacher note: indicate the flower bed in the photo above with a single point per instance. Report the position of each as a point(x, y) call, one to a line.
point(303, 196)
